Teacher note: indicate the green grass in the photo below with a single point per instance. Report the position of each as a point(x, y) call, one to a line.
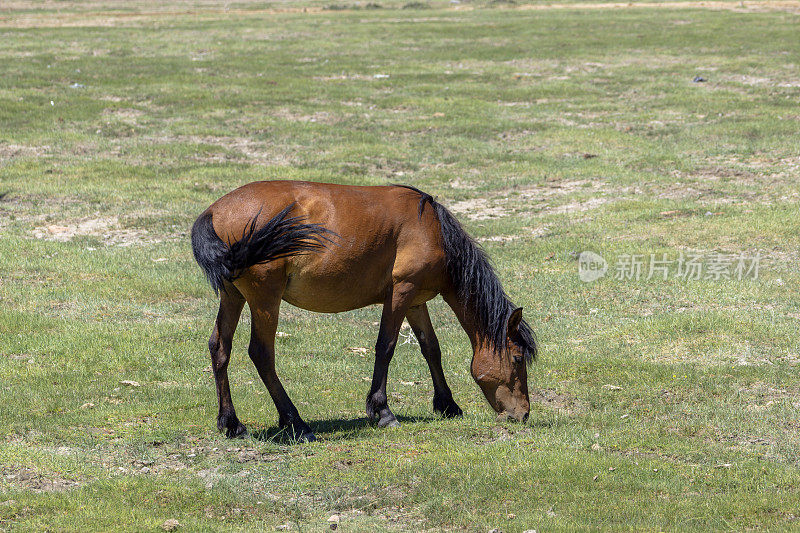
point(659, 405)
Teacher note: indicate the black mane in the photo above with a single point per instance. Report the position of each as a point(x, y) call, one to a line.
point(476, 282)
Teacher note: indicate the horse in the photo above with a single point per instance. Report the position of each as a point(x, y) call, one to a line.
point(331, 248)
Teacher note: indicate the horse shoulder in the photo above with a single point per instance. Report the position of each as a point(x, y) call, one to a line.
point(419, 250)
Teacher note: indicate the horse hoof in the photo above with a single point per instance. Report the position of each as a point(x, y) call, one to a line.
point(231, 426)
point(388, 422)
point(238, 432)
point(297, 432)
point(448, 409)
point(307, 437)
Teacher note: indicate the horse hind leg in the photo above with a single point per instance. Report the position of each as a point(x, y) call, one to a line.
point(262, 353)
point(230, 309)
point(420, 322)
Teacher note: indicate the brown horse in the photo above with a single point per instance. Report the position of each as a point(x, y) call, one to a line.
point(331, 248)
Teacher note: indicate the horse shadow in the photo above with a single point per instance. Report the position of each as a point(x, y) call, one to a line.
point(349, 428)
point(330, 429)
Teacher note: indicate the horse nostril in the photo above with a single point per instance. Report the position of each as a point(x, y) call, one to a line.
point(525, 417)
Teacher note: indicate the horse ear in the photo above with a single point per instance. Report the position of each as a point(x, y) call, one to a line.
point(514, 319)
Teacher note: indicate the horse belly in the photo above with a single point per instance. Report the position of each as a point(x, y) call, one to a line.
point(333, 288)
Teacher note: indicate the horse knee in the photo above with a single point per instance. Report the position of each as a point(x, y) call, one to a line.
point(431, 352)
point(214, 344)
point(256, 352)
point(385, 348)
point(220, 350)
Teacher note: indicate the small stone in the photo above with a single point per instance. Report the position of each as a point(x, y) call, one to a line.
point(596, 447)
point(129, 383)
point(145, 470)
point(87, 405)
point(595, 478)
point(170, 525)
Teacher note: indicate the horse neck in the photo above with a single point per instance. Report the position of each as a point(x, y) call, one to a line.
point(467, 317)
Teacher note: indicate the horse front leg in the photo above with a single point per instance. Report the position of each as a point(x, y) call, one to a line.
point(262, 353)
point(420, 322)
point(230, 309)
point(394, 310)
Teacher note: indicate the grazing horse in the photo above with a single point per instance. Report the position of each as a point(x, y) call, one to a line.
point(331, 248)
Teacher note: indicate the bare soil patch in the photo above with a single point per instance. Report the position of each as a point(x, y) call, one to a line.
point(10, 151)
point(561, 401)
point(239, 149)
point(479, 209)
point(128, 116)
point(105, 228)
point(30, 479)
point(545, 199)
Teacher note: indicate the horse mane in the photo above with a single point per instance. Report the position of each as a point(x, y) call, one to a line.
point(476, 282)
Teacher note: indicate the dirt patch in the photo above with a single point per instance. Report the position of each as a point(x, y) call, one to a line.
point(499, 238)
point(128, 116)
point(10, 151)
point(576, 207)
point(479, 209)
point(757, 81)
point(558, 188)
point(561, 401)
point(322, 117)
point(30, 479)
point(499, 433)
point(762, 394)
point(340, 77)
point(105, 228)
point(232, 150)
point(543, 199)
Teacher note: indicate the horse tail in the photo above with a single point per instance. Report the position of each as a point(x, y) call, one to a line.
point(280, 237)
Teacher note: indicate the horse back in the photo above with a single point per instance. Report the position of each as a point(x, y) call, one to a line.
point(380, 235)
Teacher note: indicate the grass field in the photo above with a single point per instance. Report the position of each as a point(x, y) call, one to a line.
point(657, 404)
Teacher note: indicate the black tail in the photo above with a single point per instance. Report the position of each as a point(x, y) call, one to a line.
point(279, 237)
point(476, 282)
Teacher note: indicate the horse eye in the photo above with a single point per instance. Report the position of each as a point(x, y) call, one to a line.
point(518, 359)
